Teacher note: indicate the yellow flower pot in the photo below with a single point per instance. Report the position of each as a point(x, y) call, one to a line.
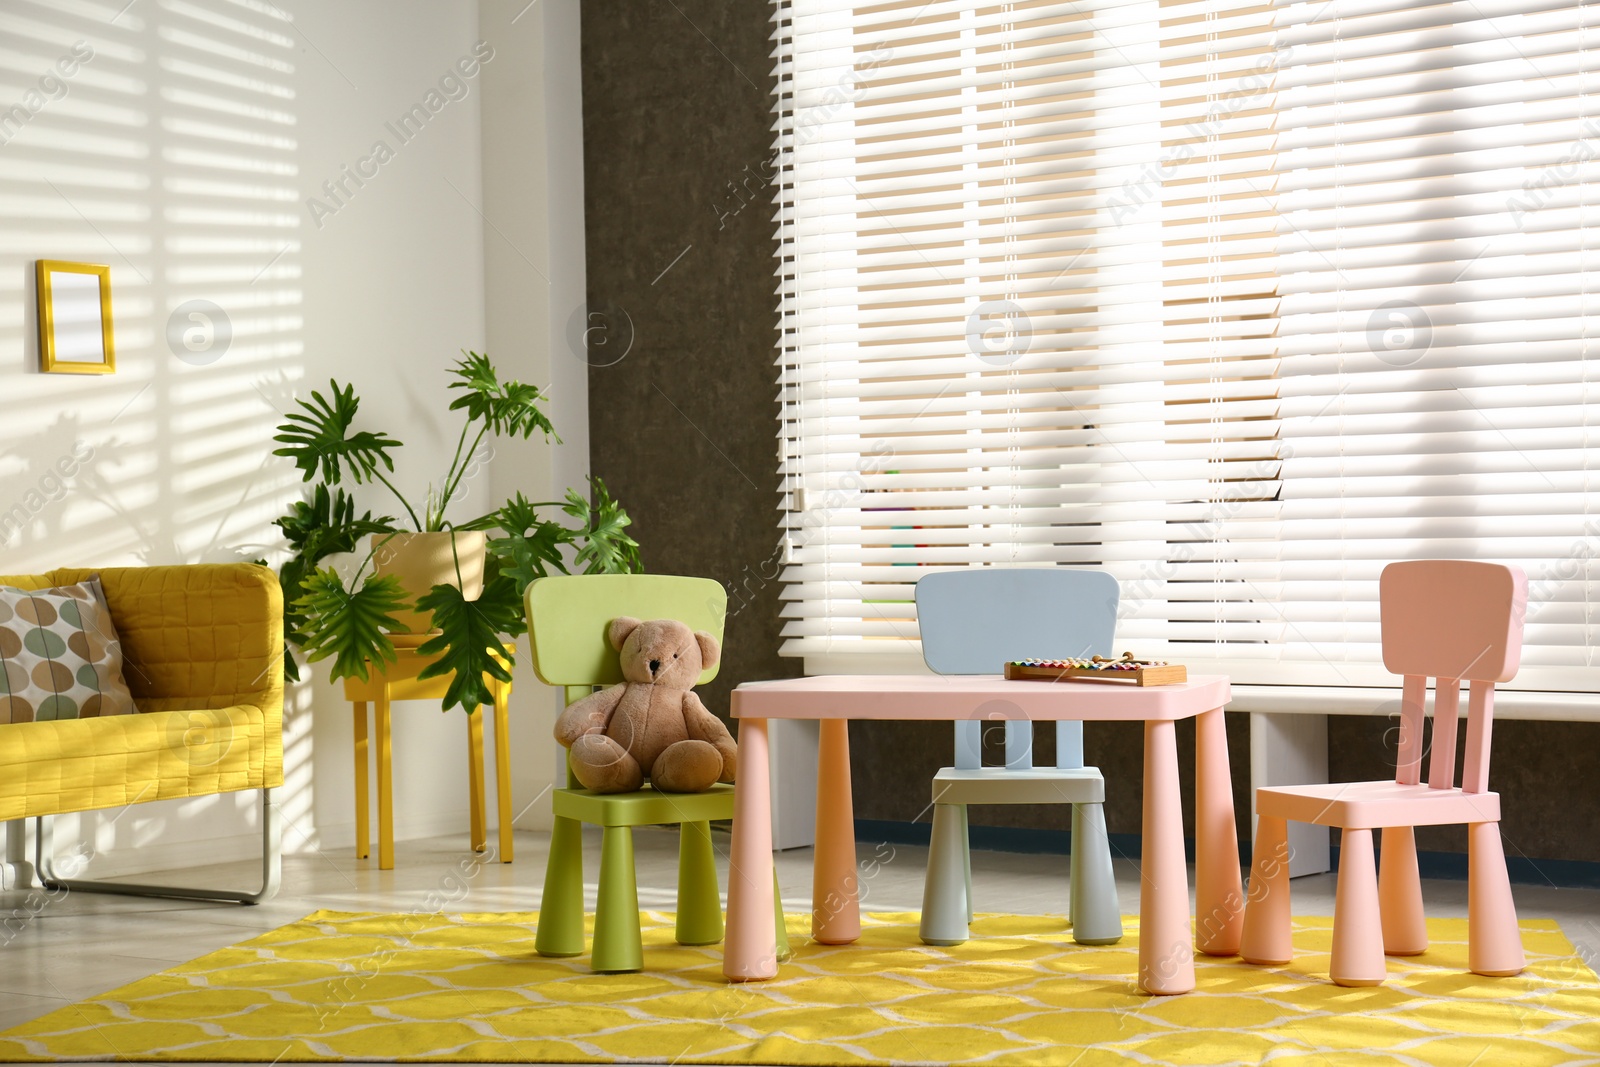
point(424, 560)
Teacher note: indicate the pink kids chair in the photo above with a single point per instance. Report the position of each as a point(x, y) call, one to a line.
point(1452, 621)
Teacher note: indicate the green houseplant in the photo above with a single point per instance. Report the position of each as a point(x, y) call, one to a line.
point(354, 621)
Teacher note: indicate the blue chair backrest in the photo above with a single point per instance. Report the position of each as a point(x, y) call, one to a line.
point(973, 621)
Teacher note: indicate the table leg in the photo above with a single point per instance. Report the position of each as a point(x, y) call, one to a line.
point(750, 949)
point(836, 908)
point(475, 778)
point(385, 785)
point(1218, 888)
point(1166, 956)
point(502, 765)
point(363, 761)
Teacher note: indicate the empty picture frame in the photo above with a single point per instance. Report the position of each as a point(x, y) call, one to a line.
point(75, 318)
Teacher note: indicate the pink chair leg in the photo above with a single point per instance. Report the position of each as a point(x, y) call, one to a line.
point(1218, 892)
point(836, 907)
point(1405, 930)
point(750, 951)
point(1357, 926)
point(1267, 938)
point(1166, 953)
point(1494, 946)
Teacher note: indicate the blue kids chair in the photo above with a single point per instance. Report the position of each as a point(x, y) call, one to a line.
point(972, 622)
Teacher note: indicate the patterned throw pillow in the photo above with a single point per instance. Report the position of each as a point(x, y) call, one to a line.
point(59, 655)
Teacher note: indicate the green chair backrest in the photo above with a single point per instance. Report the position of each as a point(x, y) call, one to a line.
point(568, 615)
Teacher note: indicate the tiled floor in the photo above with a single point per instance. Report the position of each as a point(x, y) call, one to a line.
point(84, 944)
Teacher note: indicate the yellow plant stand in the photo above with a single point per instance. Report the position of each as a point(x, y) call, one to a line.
point(398, 681)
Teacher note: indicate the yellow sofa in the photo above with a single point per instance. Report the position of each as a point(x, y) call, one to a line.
point(203, 656)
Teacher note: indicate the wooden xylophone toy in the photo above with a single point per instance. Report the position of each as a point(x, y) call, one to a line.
point(1098, 669)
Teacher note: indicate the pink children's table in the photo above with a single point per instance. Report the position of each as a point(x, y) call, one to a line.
point(1166, 956)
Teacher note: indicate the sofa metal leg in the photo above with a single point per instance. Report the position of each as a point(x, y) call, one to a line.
point(271, 867)
point(16, 872)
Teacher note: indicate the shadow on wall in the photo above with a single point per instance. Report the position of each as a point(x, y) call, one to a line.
point(158, 138)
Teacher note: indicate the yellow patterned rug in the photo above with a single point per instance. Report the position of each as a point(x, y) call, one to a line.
point(353, 986)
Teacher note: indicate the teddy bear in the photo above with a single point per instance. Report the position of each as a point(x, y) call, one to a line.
point(652, 724)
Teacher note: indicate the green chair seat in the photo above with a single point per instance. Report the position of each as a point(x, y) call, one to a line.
point(567, 620)
point(645, 807)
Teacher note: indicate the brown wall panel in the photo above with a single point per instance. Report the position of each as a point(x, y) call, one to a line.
point(676, 127)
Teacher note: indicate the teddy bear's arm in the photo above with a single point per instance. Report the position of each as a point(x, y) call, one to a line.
point(589, 715)
point(704, 726)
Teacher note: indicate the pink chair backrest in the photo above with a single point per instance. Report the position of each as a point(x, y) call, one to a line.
point(1454, 621)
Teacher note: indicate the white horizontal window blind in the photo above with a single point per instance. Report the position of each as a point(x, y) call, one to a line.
point(1436, 202)
point(1234, 300)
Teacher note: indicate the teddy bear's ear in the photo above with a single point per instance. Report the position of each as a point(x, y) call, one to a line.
point(710, 651)
point(619, 630)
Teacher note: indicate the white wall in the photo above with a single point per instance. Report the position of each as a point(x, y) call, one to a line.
point(535, 283)
point(185, 154)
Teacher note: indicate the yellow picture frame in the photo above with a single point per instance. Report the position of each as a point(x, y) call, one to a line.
point(75, 335)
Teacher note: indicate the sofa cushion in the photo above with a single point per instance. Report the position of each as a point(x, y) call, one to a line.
point(47, 768)
point(60, 657)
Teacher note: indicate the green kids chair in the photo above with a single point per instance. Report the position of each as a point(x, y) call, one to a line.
point(567, 620)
